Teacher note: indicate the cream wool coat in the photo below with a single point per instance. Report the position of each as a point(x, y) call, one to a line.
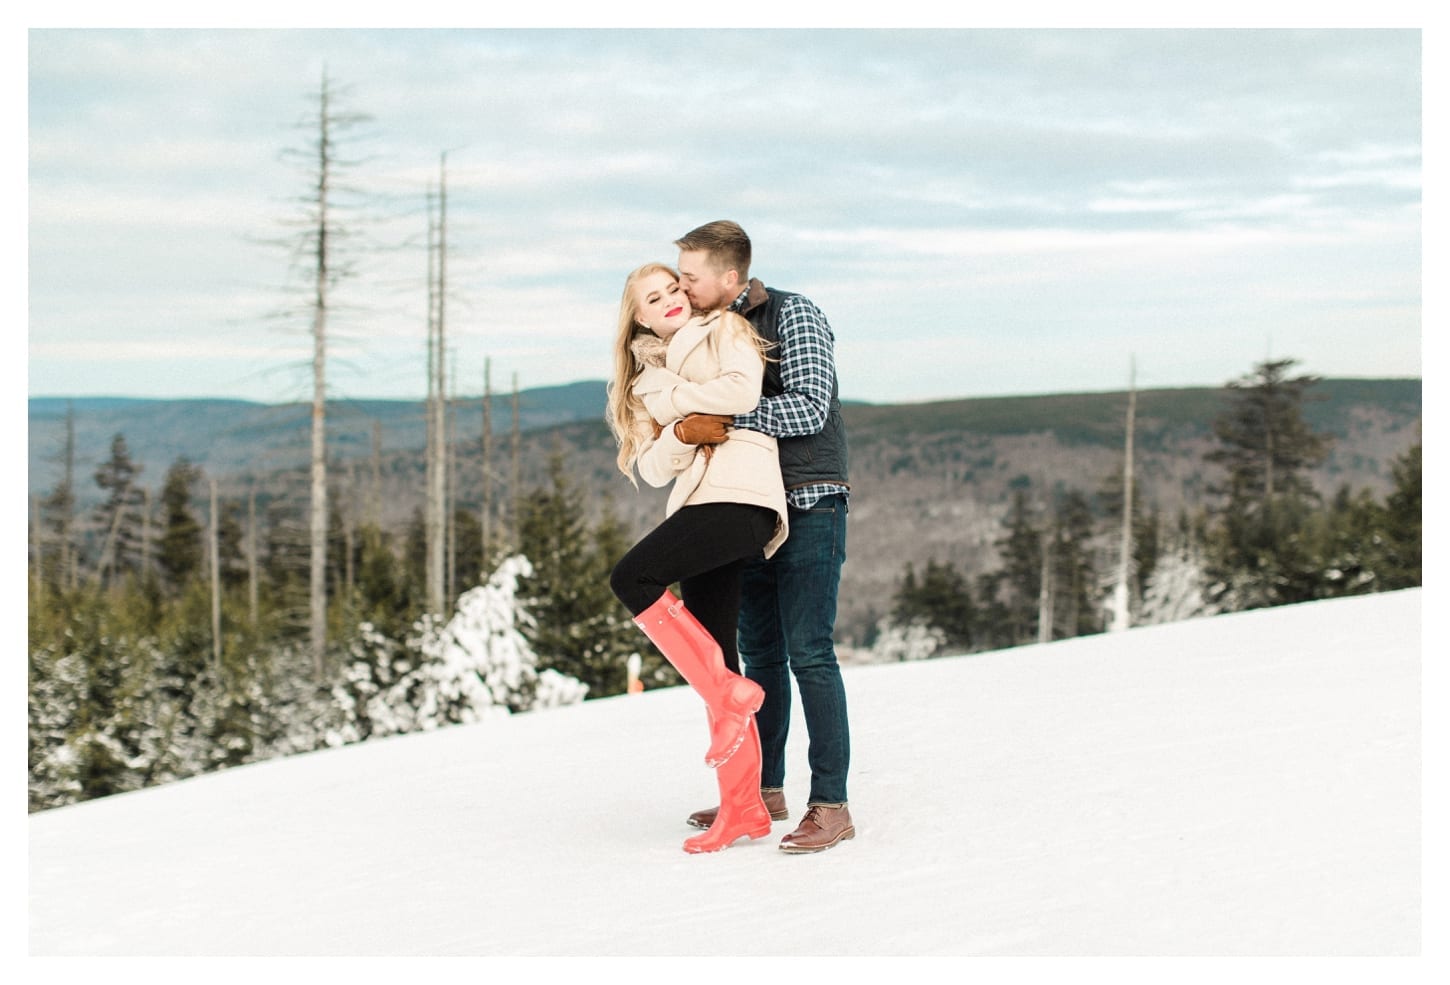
point(699, 377)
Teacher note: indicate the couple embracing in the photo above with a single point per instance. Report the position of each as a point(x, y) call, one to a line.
point(727, 390)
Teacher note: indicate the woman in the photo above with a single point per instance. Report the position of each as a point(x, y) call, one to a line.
point(727, 505)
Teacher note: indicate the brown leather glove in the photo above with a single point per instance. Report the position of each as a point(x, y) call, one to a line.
point(703, 429)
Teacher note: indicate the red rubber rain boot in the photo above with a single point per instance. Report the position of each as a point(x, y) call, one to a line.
point(742, 812)
point(689, 647)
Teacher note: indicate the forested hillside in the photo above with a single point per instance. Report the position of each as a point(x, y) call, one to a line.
point(172, 600)
point(931, 481)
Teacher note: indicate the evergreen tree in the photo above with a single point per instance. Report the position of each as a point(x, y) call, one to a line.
point(94, 704)
point(1366, 546)
point(995, 625)
point(286, 558)
point(903, 604)
point(386, 596)
point(477, 663)
point(1349, 541)
point(1073, 570)
point(1259, 554)
point(119, 516)
point(1265, 444)
point(180, 550)
point(1403, 522)
point(467, 549)
point(616, 637)
point(415, 549)
point(942, 600)
point(1020, 583)
point(342, 557)
point(231, 552)
point(577, 627)
point(1146, 548)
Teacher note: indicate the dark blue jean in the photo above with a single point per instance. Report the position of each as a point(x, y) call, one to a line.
point(787, 616)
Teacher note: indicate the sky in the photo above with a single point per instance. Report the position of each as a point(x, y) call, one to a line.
point(978, 211)
point(1244, 785)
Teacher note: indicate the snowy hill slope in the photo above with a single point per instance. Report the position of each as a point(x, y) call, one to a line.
point(1241, 785)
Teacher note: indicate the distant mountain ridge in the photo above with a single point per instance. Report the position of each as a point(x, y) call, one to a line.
point(228, 436)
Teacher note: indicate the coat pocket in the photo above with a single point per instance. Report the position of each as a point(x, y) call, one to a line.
point(746, 463)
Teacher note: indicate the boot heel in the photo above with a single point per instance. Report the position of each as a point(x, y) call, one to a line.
point(742, 700)
point(715, 759)
point(746, 696)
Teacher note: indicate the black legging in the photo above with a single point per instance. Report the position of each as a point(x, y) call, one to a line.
point(704, 548)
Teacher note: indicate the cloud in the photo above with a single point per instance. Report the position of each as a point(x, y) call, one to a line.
point(875, 166)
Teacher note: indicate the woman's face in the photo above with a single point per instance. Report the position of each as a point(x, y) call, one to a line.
point(660, 304)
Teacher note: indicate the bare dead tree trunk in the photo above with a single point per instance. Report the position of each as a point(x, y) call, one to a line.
point(432, 592)
point(320, 239)
point(317, 571)
point(486, 517)
point(252, 557)
point(516, 470)
point(375, 493)
point(1122, 616)
point(440, 407)
point(37, 552)
point(213, 546)
point(349, 529)
point(1045, 601)
point(450, 493)
point(1269, 453)
point(67, 574)
point(145, 532)
point(108, 550)
point(435, 519)
point(317, 582)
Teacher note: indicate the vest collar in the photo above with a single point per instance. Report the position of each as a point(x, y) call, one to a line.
point(755, 296)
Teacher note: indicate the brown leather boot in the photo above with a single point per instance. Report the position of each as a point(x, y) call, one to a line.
point(774, 798)
point(824, 826)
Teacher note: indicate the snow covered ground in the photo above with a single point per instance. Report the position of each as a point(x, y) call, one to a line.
point(1239, 785)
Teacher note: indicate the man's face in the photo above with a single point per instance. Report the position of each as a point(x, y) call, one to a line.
point(708, 288)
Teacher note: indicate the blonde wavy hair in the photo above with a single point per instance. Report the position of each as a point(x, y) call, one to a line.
point(626, 414)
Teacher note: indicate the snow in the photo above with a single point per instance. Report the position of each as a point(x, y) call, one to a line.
point(1239, 785)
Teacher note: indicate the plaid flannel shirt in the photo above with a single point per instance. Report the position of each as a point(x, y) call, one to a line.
point(807, 375)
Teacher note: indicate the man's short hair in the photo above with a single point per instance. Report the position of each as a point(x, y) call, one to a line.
point(724, 242)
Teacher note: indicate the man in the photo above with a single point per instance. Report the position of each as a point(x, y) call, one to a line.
point(788, 603)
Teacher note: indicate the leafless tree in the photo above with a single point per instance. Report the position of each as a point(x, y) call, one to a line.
point(516, 474)
point(1121, 618)
point(58, 512)
point(214, 549)
point(486, 473)
point(320, 252)
point(435, 515)
point(252, 612)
